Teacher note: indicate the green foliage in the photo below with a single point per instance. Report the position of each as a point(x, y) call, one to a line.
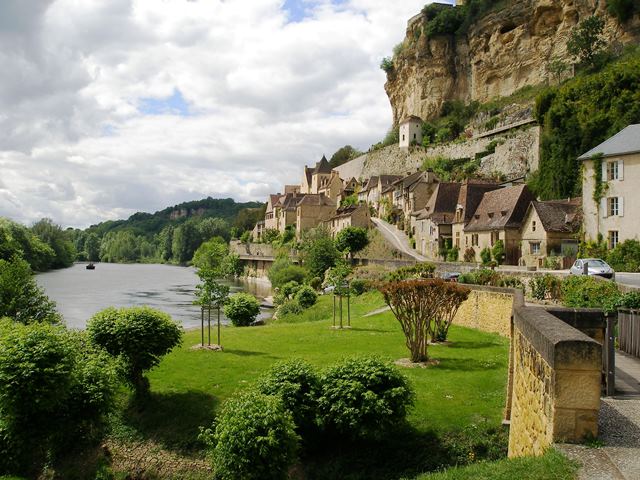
point(359, 286)
point(450, 170)
point(352, 240)
point(211, 292)
point(254, 439)
point(498, 252)
point(586, 44)
point(245, 237)
point(482, 276)
point(584, 291)
point(593, 248)
point(419, 270)
point(17, 240)
point(315, 283)
point(270, 235)
point(242, 309)
point(508, 281)
point(552, 263)
point(306, 296)
point(363, 397)
point(283, 271)
point(138, 336)
point(344, 154)
point(289, 307)
point(444, 20)
point(211, 255)
point(545, 287)
point(297, 384)
point(53, 235)
point(391, 138)
point(319, 252)
point(485, 255)
point(452, 254)
point(21, 299)
point(54, 391)
point(579, 115)
point(625, 257)
point(469, 255)
point(623, 10)
point(386, 64)
point(629, 300)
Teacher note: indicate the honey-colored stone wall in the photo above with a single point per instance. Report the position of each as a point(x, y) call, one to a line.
point(487, 310)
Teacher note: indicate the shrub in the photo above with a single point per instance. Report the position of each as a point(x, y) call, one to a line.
point(21, 299)
point(359, 286)
point(485, 255)
point(290, 307)
point(419, 270)
point(583, 291)
point(288, 291)
point(452, 254)
point(498, 252)
point(552, 263)
point(55, 389)
point(363, 397)
point(306, 296)
point(630, 300)
point(283, 271)
point(625, 257)
point(242, 309)
point(509, 281)
point(319, 253)
point(623, 10)
point(297, 385)
point(483, 276)
point(545, 287)
point(315, 283)
point(254, 439)
point(139, 336)
point(469, 255)
point(477, 443)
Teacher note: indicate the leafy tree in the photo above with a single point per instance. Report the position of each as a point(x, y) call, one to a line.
point(270, 235)
point(319, 252)
point(351, 240)
point(254, 439)
point(306, 296)
point(55, 390)
point(213, 227)
point(485, 255)
point(343, 155)
point(283, 271)
point(586, 44)
point(139, 336)
point(166, 243)
point(120, 246)
point(245, 237)
point(247, 219)
point(623, 10)
point(242, 309)
point(16, 239)
point(386, 64)
point(625, 257)
point(186, 239)
point(21, 299)
point(92, 247)
point(498, 252)
point(55, 237)
point(211, 255)
point(557, 68)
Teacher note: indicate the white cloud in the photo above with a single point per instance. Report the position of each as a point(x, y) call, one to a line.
point(265, 95)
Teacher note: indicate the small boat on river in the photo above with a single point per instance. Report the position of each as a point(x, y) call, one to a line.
point(90, 266)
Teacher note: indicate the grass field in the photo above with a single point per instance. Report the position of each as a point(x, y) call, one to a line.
point(458, 400)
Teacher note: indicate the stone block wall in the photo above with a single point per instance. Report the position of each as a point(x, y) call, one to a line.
point(254, 249)
point(555, 383)
point(488, 309)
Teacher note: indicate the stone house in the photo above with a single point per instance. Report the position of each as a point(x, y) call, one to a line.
point(258, 231)
point(349, 187)
point(617, 161)
point(349, 216)
point(470, 196)
point(499, 216)
point(551, 228)
point(433, 224)
point(285, 210)
point(411, 193)
point(270, 215)
point(410, 131)
point(363, 194)
point(312, 210)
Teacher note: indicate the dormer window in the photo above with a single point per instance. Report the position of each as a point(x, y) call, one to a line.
point(490, 214)
point(476, 216)
point(504, 213)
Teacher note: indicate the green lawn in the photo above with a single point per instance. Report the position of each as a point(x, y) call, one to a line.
point(456, 398)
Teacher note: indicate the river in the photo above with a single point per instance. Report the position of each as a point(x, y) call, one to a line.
point(79, 293)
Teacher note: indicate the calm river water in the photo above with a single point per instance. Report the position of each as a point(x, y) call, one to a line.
point(79, 293)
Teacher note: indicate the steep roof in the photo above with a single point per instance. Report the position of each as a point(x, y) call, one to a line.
point(373, 181)
point(386, 180)
point(346, 211)
point(315, 199)
point(470, 196)
point(322, 166)
point(625, 142)
point(308, 172)
point(500, 209)
point(561, 216)
point(441, 207)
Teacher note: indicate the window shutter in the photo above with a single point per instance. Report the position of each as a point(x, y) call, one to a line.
point(603, 208)
point(604, 171)
point(621, 206)
point(620, 169)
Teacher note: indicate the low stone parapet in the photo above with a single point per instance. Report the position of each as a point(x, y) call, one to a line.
point(489, 309)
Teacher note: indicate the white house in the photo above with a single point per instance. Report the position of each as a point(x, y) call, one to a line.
point(410, 131)
point(618, 163)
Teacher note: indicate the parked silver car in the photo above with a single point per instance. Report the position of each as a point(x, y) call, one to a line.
point(595, 266)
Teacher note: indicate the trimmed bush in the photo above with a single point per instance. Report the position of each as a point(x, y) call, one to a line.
point(419, 270)
point(359, 286)
point(296, 383)
point(254, 439)
point(545, 287)
point(483, 276)
point(583, 291)
point(138, 336)
point(290, 307)
point(363, 397)
point(306, 296)
point(242, 309)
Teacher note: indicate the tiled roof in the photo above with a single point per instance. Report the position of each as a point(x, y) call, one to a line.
point(562, 216)
point(308, 172)
point(441, 207)
point(624, 142)
point(322, 166)
point(500, 209)
point(470, 196)
point(315, 199)
point(345, 211)
point(373, 181)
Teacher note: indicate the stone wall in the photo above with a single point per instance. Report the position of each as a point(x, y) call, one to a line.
point(555, 383)
point(515, 155)
point(253, 249)
point(488, 309)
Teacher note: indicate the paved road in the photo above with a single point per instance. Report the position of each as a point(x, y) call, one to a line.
point(631, 279)
point(397, 238)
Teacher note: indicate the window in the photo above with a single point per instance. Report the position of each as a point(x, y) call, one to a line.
point(612, 207)
point(495, 236)
point(612, 170)
point(613, 238)
point(534, 248)
point(403, 137)
point(533, 226)
point(458, 239)
point(474, 240)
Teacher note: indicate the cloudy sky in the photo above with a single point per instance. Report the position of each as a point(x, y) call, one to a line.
point(108, 107)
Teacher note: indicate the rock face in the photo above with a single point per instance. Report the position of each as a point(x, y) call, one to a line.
point(504, 51)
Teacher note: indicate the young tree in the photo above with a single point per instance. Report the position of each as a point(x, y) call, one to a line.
point(351, 240)
point(211, 255)
point(139, 336)
point(498, 252)
point(319, 252)
point(586, 44)
point(453, 296)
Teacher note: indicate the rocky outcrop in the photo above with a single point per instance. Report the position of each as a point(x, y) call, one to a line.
point(504, 51)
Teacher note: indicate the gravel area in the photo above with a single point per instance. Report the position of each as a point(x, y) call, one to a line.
point(619, 456)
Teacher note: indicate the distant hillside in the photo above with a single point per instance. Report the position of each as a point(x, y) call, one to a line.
point(142, 223)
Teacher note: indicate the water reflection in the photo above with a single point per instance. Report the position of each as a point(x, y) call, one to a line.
point(79, 293)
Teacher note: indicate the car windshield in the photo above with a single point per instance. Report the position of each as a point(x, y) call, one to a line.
point(597, 263)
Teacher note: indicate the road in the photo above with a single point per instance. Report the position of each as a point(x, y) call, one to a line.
point(397, 238)
point(630, 279)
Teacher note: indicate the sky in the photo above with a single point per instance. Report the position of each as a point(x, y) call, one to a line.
point(109, 107)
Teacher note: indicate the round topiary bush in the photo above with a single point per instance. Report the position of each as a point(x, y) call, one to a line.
point(306, 296)
point(363, 397)
point(254, 439)
point(242, 309)
point(359, 286)
point(297, 384)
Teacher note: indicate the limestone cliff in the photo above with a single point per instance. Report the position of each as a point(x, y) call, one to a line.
point(504, 51)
